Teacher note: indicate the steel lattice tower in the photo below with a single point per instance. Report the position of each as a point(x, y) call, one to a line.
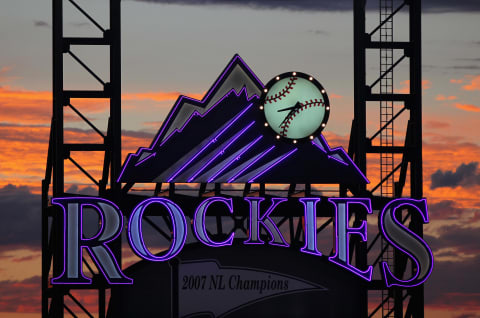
point(395, 301)
point(59, 152)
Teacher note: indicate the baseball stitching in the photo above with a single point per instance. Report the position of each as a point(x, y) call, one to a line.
point(306, 104)
point(286, 90)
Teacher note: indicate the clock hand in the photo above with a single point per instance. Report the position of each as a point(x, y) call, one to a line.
point(292, 111)
point(288, 116)
point(297, 105)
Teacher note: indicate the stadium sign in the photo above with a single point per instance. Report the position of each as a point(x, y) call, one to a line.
point(244, 132)
point(112, 224)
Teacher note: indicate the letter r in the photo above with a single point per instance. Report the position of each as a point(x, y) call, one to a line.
point(74, 241)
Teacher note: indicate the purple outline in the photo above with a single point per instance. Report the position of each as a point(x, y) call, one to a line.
point(423, 203)
point(338, 150)
point(212, 178)
point(277, 161)
point(221, 152)
point(275, 203)
point(145, 159)
point(175, 174)
point(338, 160)
point(143, 205)
point(367, 274)
point(195, 113)
point(208, 202)
point(304, 248)
point(260, 156)
point(99, 233)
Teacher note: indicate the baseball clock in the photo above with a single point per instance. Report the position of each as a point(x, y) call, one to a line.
point(295, 105)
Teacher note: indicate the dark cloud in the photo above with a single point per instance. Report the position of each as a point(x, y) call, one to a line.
point(298, 5)
point(327, 5)
point(465, 175)
point(458, 238)
point(21, 218)
point(444, 210)
point(468, 316)
point(38, 23)
point(137, 134)
point(84, 191)
point(454, 284)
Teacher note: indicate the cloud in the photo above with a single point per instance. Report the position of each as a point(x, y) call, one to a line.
point(298, 5)
point(465, 175)
point(474, 84)
point(445, 210)
point(468, 316)
point(326, 5)
point(462, 239)
point(444, 98)
point(334, 96)
point(38, 23)
point(21, 218)
point(456, 81)
point(454, 285)
point(32, 143)
point(405, 86)
point(24, 296)
point(468, 107)
point(426, 84)
point(20, 296)
point(35, 107)
point(433, 124)
point(153, 124)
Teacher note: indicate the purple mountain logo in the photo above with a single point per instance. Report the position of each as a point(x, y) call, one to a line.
point(222, 139)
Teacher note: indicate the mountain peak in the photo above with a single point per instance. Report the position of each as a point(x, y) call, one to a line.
point(222, 138)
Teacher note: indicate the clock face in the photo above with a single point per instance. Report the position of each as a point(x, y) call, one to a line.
point(295, 105)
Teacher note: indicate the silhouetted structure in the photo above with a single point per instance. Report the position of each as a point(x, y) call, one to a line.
point(58, 299)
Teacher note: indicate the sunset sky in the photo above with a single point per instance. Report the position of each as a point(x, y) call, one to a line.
point(180, 47)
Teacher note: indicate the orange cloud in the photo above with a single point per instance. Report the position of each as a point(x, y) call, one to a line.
point(35, 107)
point(456, 81)
point(468, 107)
point(335, 96)
point(24, 134)
point(444, 98)
point(24, 154)
point(21, 106)
point(426, 84)
point(433, 124)
point(405, 86)
point(474, 84)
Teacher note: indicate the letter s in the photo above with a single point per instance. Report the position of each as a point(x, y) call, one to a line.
point(405, 240)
